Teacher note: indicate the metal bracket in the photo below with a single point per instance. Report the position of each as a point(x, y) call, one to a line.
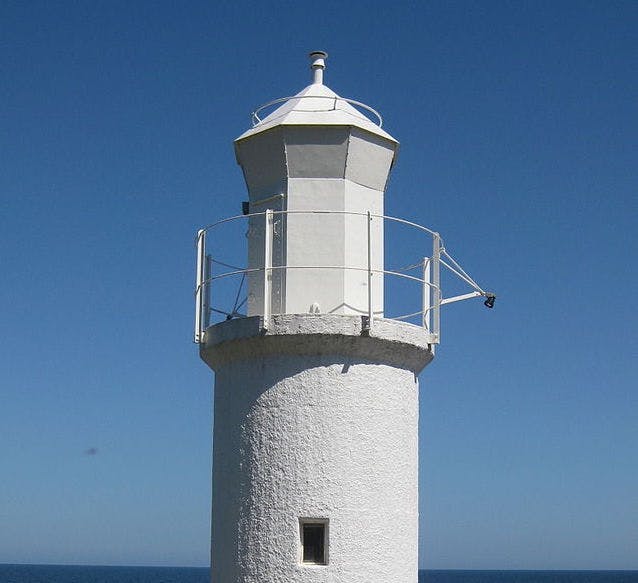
point(460, 298)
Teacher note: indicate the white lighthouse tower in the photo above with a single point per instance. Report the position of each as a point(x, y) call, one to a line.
point(316, 393)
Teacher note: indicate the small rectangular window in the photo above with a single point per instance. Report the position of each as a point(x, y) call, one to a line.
point(313, 533)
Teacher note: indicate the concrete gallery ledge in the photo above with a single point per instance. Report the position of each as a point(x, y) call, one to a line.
point(388, 342)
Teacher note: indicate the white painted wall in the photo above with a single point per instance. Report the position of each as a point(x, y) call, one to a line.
point(334, 168)
point(336, 240)
point(323, 435)
point(315, 417)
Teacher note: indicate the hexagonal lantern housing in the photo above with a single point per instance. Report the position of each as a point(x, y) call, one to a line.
point(316, 152)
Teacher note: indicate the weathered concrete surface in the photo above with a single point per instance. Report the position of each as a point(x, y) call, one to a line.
point(389, 342)
point(315, 419)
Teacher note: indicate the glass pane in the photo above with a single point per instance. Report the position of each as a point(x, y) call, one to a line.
point(313, 543)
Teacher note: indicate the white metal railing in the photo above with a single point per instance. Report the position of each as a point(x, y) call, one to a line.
point(429, 280)
point(335, 99)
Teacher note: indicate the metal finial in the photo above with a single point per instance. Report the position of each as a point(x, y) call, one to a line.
point(318, 64)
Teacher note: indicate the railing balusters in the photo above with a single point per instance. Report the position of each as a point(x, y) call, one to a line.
point(268, 237)
point(429, 278)
point(199, 282)
point(370, 307)
point(436, 287)
point(427, 295)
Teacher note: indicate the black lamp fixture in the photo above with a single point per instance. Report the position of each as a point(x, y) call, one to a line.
point(489, 301)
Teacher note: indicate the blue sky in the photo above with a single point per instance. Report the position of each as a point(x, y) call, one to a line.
point(518, 128)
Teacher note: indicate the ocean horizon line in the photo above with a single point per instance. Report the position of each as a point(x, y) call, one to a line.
point(438, 569)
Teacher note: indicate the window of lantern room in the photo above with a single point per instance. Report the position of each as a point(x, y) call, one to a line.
point(313, 533)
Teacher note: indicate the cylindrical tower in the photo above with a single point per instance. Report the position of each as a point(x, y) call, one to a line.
point(316, 411)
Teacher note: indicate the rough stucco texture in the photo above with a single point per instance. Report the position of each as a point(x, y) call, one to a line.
point(315, 436)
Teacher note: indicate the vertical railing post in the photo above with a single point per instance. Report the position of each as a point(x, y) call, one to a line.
point(370, 306)
point(267, 287)
point(427, 296)
point(206, 291)
point(200, 277)
point(436, 287)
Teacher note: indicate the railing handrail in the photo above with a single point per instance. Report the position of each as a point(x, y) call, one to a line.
point(321, 212)
point(432, 299)
point(343, 267)
point(255, 119)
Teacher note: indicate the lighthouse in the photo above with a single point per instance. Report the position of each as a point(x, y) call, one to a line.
point(315, 448)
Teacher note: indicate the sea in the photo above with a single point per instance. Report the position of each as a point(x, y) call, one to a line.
point(90, 574)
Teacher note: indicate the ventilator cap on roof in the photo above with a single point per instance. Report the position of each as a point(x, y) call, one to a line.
point(318, 64)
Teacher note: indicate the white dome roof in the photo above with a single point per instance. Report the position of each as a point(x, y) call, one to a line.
point(317, 104)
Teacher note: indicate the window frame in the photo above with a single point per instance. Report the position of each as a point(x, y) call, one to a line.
point(325, 522)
